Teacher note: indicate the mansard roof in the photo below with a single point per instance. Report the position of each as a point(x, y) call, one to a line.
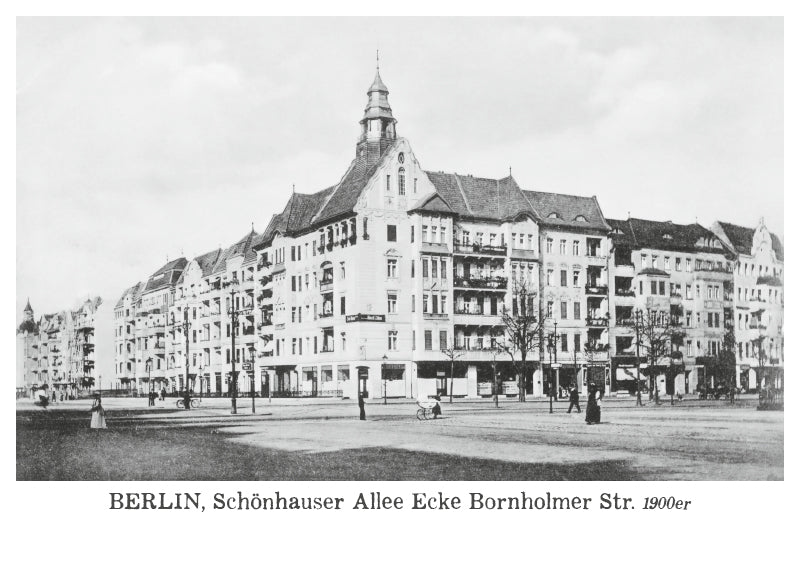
point(742, 239)
point(481, 198)
point(568, 211)
point(664, 235)
point(166, 276)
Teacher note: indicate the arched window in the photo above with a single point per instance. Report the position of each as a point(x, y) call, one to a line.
point(401, 181)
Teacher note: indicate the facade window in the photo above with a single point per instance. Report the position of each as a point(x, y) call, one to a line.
point(391, 233)
point(563, 310)
point(564, 344)
point(577, 310)
point(412, 233)
point(388, 183)
point(653, 287)
point(428, 340)
point(677, 264)
point(443, 339)
point(562, 246)
point(550, 309)
point(415, 185)
point(391, 268)
point(391, 303)
point(576, 248)
point(401, 181)
point(563, 277)
point(666, 264)
point(342, 305)
point(341, 269)
point(662, 288)
point(576, 342)
point(425, 267)
point(434, 268)
point(392, 340)
point(549, 245)
point(576, 275)
point(413, 303)
point(412, 268)
point(549, 276)
point(425, 304)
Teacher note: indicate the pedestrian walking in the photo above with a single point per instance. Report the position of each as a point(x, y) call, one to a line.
point(362, 415)
point(593, 405)
point(574, 400)
point(163, 394)
point(98, 414)
point(437, 408)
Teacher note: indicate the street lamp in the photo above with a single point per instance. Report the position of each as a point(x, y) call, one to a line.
point(252, 350)
point(149, 364)
point(383, 375)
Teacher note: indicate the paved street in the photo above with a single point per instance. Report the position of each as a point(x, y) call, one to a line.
point(692, 440)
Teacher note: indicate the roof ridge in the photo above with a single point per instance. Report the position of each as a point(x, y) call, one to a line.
point(335, 187)
point(463, 193)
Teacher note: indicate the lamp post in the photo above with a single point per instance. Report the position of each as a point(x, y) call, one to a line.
point(149, 364)
point(252, 350)
point(233, 284)
point(383, 376)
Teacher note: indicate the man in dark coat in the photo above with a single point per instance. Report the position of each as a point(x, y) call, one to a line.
point(361, 414)
point(574, 400)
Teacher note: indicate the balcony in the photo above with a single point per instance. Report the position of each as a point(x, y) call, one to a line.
point(596, 347)
point(480, 250)
point(266, 280)
point(626, 293)
point(624, 322)
point(249, 330)
point(596, 289)
point(325, 286)
point(482, 346)
point(432, 316)
point(325, 315)
point(499, 283)
point(596, 322)
point(263, 263)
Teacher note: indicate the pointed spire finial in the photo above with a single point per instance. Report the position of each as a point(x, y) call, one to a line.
point(377, 59)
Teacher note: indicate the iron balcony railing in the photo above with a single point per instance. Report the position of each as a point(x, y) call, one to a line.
point(597, 289)
point(596, 322)
point(596, 347)
point(490, 250)
point(627, 292)
point(491, 283)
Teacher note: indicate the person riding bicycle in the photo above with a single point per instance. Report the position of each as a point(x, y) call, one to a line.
point(187, 400)
point(437, 408)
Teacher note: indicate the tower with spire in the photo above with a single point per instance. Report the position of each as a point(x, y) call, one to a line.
point(378, 124)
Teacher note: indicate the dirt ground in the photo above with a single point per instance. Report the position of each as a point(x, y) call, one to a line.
point(712, 441)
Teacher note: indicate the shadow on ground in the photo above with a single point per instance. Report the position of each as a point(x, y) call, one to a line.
point(59, 445)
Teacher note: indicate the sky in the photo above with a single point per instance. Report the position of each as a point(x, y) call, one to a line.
point(145, 139)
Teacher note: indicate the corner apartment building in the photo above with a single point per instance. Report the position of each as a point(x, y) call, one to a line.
point(682, 271)
point(758, 302)
point(369, 280)
point(58, 350)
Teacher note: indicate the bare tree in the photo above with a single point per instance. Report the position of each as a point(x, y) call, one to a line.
point(657, 332)
point(452, 353)
point(522, 330)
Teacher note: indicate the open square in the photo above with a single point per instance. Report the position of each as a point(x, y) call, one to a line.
point(694, 440)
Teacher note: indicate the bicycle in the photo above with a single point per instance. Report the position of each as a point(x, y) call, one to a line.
point(426, 410)
point(195, 403)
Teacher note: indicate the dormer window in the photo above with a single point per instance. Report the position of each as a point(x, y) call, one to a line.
point(580, 219)
point(553, 216)
point(666, 236)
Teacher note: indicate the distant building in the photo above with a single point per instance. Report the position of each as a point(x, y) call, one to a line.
point(57, 351)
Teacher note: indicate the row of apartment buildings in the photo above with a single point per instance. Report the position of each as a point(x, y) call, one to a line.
point(57, 350)
point(363, 285)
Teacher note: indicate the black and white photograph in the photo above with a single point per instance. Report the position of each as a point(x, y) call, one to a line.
point(399, 249)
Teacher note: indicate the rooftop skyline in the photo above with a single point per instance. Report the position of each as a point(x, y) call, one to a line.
point(145, 139)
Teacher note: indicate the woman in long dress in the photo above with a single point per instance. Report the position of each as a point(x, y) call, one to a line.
point(592, 406)
point(98, 414)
